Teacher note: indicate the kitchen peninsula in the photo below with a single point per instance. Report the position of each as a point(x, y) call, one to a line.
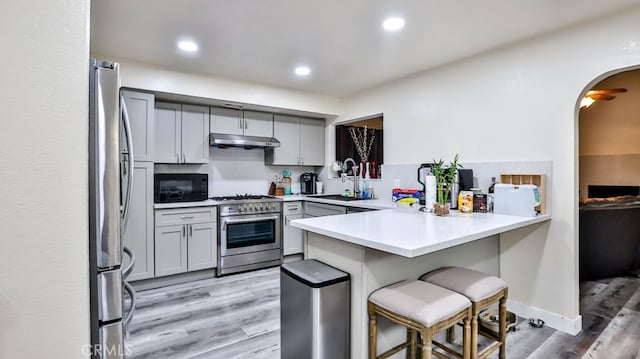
point(381, 247)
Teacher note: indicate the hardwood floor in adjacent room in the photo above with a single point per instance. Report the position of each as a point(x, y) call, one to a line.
point(238, 316)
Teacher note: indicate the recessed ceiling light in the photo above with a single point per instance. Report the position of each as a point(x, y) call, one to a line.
point(393, 23)
point(188, 46)
point(302, 70)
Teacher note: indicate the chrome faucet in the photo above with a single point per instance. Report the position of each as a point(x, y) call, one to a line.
point(356, 177)
point(345, 168)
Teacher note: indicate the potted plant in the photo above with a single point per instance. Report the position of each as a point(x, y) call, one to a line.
point(445, 177)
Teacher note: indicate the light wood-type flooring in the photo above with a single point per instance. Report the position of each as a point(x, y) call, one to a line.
point(238, 316)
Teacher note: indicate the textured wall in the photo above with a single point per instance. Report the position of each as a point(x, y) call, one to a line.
point(44, 305)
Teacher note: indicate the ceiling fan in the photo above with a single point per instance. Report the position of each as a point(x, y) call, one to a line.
point(605, 94)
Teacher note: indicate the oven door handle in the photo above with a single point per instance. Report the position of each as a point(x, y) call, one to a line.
point(275, 217)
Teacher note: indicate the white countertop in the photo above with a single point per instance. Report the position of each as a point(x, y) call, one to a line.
point(370, 203)
point(409, 233)
point(208, 202)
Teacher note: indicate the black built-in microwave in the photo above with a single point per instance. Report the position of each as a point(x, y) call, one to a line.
point(180, 187)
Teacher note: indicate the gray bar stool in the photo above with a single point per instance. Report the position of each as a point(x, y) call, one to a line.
point(482, 290)
point(422, 308)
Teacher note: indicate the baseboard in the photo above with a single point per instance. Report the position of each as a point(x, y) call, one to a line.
point(553, 320)
point(158, 282)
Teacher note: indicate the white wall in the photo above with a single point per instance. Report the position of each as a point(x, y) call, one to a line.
point(154, 78)
point(517, 103)
point(44, 287)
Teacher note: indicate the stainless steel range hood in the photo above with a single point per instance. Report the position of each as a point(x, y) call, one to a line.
point(226, 140)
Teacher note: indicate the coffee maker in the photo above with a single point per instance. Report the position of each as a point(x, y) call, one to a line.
point(308, 183)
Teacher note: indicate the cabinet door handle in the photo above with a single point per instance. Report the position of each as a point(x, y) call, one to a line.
point(178, 157)
point(186, 217)
point(184, 157)
point(191, 230)
point(184, 231)
point(293, 208)
point(301, 160)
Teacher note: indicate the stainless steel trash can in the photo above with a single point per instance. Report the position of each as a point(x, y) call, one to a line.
point(314, 311)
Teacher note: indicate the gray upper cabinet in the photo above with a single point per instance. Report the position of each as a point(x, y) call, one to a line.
point(140, 107)
point(239, 122)
point(301, 142)
point(226, 120)
point(311, 142)
point(168, 133)
point(195, 134)
point(138, 235)
point(287, 130)
point(181, 133)
point(258, 124)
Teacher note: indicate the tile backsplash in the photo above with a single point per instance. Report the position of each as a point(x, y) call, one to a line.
point(236, 171)
point(406, 175)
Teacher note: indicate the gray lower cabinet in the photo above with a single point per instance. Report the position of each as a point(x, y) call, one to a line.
point(293, 238)
point(201, 246)
point(138, 235)
point(185, 240)
point(171, 250)
point(313, 209)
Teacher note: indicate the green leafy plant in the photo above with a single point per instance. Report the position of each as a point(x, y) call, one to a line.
point(445, 176)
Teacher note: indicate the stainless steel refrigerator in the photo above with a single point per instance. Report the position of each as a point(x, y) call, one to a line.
point(110, 184)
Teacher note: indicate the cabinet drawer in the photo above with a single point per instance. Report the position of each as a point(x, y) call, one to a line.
point(169, 217)
point(290, 208)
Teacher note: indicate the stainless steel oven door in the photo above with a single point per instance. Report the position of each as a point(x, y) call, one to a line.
point(249, 233)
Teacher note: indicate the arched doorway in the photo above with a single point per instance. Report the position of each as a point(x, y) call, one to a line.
point(609, 209)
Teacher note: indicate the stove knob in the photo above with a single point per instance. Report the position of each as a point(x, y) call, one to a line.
point(262, 207)
point(240, 209)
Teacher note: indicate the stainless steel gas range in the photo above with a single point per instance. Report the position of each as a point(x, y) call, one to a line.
point(249, 233)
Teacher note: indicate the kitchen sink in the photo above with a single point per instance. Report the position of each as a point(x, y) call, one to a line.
point(336, 197)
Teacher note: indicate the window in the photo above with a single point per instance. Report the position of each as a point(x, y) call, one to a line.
point(370, 142)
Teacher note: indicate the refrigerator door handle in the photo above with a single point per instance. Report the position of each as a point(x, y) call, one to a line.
point(111, 342)
point(128, 135)
point(110, 295)
point(132, 308)
point(105, 155)
point(132, 262)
